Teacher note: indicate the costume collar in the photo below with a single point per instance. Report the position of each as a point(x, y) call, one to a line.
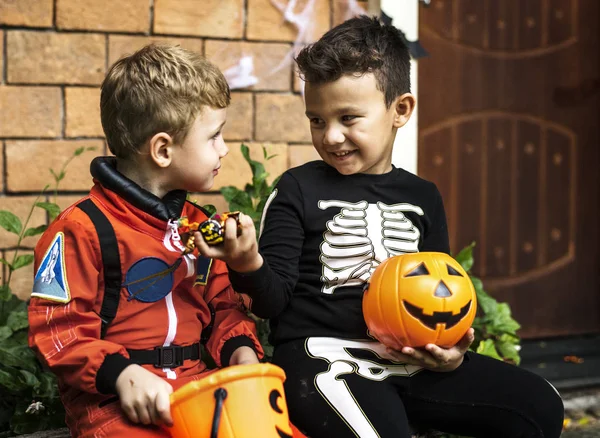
point(104, 170)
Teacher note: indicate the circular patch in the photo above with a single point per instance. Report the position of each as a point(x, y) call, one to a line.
point(149, 280)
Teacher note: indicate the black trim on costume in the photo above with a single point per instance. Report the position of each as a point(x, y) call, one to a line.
point(233, 344)
point(111, 262)
point(104, 169)
point(109, 371)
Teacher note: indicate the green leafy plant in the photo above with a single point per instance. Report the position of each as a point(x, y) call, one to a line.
point(495, 328)
point(251, 201)
point(29, 399)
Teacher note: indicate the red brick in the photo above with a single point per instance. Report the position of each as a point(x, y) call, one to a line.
point(212, 18)
point(27, 163)
point(21, 282)
point(280, 117)
point(342, 11)
point(217, 200)
point(53, 58)
point(83, 112)
point(1, 165)
point(303, 153)
point(106, 15)
point(20, 206)
point(236, 172)
point(1, 56)
point(266, 22)
point(30, 111)
point(239, 117)
point(34, 13)
point(121, 45)
point(266, 57)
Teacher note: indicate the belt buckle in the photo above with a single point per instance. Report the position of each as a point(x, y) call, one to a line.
point(169, 357)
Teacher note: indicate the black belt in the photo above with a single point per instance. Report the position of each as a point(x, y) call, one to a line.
point(166, 357)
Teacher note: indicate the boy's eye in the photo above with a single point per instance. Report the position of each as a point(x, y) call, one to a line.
point(348, 118)
point(214, 137)
point(315, 121)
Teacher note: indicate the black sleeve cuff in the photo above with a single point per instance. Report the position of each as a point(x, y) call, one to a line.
point(250, 283)
point(109, 371)
point(233, 344)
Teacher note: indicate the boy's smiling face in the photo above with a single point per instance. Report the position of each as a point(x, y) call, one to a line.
point(351, 127)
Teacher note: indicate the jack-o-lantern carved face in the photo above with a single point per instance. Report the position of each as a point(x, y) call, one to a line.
point(418, 299)
point(238, 401)
point(275, 399)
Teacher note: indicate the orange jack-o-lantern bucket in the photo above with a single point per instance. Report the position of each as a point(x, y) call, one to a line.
point(241, 401)
point(418, 299)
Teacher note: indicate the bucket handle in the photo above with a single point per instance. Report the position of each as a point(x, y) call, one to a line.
point(220, 396)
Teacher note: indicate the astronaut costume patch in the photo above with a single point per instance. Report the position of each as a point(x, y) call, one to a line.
point(51, 277)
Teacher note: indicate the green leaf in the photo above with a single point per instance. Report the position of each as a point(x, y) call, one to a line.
point(5, 293)
point(502, 321)
point(229, 192)
point(258, 169)
point(35, 230)
point(10, 382)
point(47, 387)
point(52, 209)
point(17, 320)
point(508, 346)
point(78, 151)
point(22, 260)
point(5, 262)
point(465, 257)
point(485, 302)
point(487, 348)
point(29, 379)
point(240, 201)
point(10, 222)
point(211, 209)
point(19, 357)
point(5, 333)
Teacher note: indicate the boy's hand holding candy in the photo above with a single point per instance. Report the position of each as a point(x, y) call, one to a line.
point(239, 248)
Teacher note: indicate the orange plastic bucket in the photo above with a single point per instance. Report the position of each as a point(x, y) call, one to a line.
point(241, 401)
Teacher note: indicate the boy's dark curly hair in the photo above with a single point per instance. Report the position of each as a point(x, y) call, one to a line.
point(358, 46)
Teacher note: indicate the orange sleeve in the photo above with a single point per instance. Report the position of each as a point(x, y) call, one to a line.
point(64, 327)
point(231, 327)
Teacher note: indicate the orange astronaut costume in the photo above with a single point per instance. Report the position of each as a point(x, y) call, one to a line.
point(163, 303)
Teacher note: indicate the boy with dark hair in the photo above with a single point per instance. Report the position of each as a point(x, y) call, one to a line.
point(326, 227)
point(119, 304)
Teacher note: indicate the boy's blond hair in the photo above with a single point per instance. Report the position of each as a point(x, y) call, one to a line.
point(159, 88)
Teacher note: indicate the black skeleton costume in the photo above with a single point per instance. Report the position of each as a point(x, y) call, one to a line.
point(322, 236)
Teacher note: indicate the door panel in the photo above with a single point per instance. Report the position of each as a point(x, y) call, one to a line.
point(509, 110)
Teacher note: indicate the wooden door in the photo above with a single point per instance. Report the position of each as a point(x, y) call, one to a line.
point(509, 115)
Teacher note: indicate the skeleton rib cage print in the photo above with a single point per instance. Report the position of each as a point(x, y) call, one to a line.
point(360, 237)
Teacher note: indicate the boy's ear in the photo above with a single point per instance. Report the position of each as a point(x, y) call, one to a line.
point(403, 108)
point(161, 149)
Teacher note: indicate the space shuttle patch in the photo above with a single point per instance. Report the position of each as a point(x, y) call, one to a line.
point(50, 280)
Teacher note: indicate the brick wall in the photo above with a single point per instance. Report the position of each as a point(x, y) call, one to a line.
point(55, 53)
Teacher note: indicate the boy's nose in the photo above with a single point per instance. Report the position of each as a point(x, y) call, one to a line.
point(222, 148)
point(333, 136)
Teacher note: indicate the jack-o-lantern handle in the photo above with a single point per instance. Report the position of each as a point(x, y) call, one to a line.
point(220, 396)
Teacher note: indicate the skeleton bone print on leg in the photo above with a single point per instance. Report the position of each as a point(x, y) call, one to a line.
point(360, 237)
point(338, 353)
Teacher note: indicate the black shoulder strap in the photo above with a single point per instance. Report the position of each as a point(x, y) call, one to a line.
point(110, 260)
